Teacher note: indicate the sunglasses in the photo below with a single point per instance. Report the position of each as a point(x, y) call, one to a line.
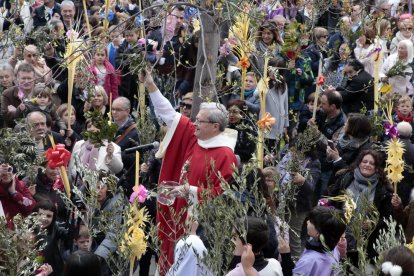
point(187, 106)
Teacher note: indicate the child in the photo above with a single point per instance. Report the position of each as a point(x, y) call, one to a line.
point(76, 128)
point(257, 236)
point(306, 113)
point(404, 112)
point(321, 258)
point(42, 101)
point(115, 35)
point(398, 260)
point(104, 73)
point(82, 241)
point(54, 234)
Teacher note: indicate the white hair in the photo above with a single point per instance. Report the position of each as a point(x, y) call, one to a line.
point(67, 3)
point(410, 49)
point(217, 113)
point(405, 129)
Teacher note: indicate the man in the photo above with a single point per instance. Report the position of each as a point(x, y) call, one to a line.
point(45, 13)
point(68, 11)
point(330, 123)
point(194, 155)
point(14, 96)
point(357, 89)
point(356, 18)
point(37, 127)
point(126, 137)
point(15, 197)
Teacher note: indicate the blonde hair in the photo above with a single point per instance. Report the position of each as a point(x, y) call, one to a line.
point(42, 89)
point(405, 99)
point(101, 90)
point(63, 108)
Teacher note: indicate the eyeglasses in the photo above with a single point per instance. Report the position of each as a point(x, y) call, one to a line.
point(187, 106)
point(118, 110)
point(408, 29)
point(197, 122)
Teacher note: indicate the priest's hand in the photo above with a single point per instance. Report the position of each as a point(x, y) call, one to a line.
point(180, 191)
point(146, 78)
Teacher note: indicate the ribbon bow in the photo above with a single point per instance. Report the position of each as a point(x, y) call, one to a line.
point(140, 193)
point(266, 122)
point(58, 156)
point(321, 80)
point(244, 63)
point(390, 130)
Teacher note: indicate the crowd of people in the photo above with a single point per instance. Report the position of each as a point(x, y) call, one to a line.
point(357, 46)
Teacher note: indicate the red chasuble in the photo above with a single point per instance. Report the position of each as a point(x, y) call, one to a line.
point(184, 149)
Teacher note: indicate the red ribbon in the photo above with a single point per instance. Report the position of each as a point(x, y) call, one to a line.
point(321, 80)
point(58, 156)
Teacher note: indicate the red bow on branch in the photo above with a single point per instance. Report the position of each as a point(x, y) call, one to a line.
point(58, 156)
point(321, 80)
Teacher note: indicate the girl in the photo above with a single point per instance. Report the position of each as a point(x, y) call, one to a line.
point(104, 73)
point(42, 101)
point(321, 258)
point(53, 235)
point(74, 133)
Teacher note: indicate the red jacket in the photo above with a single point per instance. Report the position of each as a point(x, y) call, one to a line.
point(20, 203)
point(111, 81)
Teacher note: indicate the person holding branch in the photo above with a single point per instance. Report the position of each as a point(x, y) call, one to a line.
point(194, 154)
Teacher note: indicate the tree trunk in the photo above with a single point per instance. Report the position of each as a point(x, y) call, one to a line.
point(205, 77)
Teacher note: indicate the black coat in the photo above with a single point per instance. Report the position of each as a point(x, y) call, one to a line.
point(382, 201)
point(245, 145)
point(127, 175)
point(357, 92)
point(40, 18)
point(407, 183)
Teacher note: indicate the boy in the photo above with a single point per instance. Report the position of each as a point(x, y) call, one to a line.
point(116, 38)
point(404, 112)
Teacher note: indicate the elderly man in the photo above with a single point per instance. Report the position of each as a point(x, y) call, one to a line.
point(68, 11)
point(37, 127)
point(189, 149)
point(126, 137)
point(14, 96)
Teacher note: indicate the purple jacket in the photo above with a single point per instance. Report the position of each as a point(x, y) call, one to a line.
point(313, 263)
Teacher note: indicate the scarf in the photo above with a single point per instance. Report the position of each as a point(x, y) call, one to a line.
point(347, 142)
point(248, 93)
point(402, 118)
point(315, 245)
point(90, 155)
point(362, 185)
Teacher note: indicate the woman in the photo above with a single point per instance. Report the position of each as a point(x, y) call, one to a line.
point(355, 139)
point(385, 35)
point(365, 178)
point(277, 104)
point(317, 48)
point(106, 158)
point(405, 32)
point(400, 84)
point(111, 203)
point(364, 49)
point(268, 38)
point(245, 145)
point(98, 101)
point(7, 78)
point(336, 64)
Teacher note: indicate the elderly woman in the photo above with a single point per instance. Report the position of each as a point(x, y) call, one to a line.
point(365, 178)
point(98, 101)
point(405, 32)
point(31, 55)
point(268, 38)
point(400, 84)
point(7, 78)
point(106, 157)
